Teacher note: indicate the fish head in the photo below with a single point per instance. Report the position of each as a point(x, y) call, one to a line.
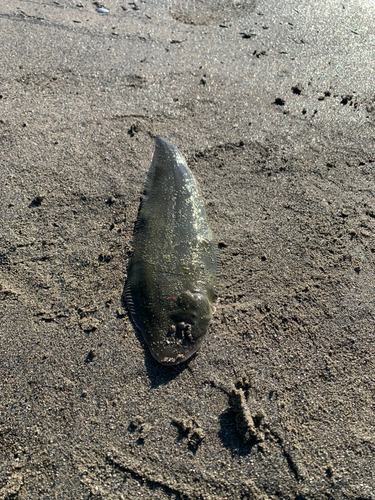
point(188, 318)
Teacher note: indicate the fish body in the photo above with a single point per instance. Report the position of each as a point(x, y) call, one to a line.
point(173, 273)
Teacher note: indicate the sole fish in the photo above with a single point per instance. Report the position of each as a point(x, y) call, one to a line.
point(173, 273)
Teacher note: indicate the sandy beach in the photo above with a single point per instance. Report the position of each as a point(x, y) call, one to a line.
point(272, 105)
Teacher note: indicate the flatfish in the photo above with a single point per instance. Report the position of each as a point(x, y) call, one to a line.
point(173, 272)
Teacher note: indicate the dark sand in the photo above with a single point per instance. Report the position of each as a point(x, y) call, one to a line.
point(273, 107)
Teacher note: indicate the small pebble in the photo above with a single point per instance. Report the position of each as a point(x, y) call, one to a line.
point(102, 10)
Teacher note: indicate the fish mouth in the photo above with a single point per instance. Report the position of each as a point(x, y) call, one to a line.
point(174, 354)
point(178, 343)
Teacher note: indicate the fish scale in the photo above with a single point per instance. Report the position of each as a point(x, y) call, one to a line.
point(174, 269)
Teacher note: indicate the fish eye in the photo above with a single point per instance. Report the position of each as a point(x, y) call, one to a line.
point(193, 309)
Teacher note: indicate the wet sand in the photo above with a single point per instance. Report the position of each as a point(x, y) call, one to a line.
point(273, 108)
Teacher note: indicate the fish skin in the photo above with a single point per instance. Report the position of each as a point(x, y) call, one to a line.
point(174, 270)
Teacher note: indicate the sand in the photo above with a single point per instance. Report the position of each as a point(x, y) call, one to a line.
point(272, 104)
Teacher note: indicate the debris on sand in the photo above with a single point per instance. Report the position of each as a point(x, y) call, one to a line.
point(250, 427)
point(190, 428)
